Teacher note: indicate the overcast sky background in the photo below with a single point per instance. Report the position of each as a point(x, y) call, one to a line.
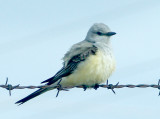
point(34, 36)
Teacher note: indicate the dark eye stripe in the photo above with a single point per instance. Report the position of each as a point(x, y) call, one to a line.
point(99, 33)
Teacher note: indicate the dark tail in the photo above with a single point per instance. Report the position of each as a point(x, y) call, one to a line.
point(32, 95)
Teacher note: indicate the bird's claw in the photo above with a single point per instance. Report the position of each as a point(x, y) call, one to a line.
point(85, 87)
point(96, 86)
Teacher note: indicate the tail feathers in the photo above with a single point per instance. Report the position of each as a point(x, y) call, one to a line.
point(32, 95)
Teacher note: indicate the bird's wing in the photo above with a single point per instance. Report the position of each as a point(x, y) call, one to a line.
point(65, 71)
point(72, 64)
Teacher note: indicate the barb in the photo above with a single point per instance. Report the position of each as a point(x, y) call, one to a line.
point(111, 86)
point(108, 86)
point(9, 86)
point(159, 87)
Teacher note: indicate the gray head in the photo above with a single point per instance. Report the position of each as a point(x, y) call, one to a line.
point(99, 32)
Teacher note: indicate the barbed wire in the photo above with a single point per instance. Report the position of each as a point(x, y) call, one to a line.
point(10, 87)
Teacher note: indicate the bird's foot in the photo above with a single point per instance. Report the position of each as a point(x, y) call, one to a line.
point(85, 87)
point(96, 86)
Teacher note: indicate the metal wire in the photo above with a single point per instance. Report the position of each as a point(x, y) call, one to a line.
point(109, 86)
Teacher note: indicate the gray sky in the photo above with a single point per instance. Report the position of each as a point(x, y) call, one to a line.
point(34, 36)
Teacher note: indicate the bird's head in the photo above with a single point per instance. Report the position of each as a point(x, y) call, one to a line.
point(99, 32)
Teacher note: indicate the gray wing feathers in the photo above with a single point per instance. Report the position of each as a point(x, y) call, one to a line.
point(76, 49)
point(65, 71)
point(72, 63)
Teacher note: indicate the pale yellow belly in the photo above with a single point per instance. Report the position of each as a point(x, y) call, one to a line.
point(95, 70)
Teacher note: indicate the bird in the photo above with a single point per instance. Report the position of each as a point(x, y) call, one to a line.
point(88, 63)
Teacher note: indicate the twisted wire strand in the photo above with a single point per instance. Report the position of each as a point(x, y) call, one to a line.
point(103, 86)
point(109, 86)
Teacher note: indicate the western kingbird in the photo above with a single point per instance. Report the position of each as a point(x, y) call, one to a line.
point(89, 62)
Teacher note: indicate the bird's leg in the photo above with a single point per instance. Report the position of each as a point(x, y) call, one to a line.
point(96, 86)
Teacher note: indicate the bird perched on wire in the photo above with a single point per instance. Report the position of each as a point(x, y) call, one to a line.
point(88, 63)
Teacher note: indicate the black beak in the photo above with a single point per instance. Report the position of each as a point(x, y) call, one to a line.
point(110, 33)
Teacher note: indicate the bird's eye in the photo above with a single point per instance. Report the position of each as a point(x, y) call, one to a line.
point(99, 33)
